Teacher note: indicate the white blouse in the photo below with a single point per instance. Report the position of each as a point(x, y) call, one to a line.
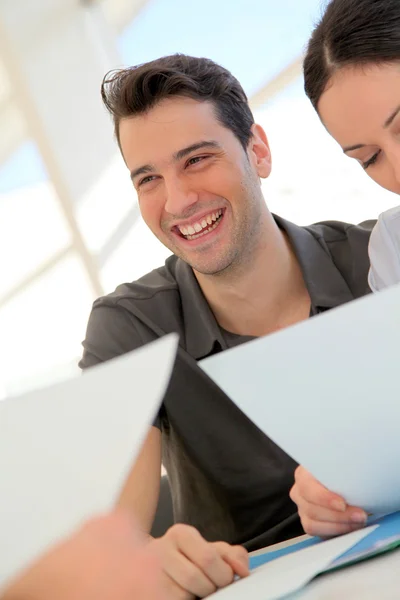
point(384, 251)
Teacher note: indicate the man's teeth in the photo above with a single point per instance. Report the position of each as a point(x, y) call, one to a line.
point(199, 228)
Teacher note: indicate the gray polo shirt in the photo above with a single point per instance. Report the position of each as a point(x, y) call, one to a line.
point(228, 479)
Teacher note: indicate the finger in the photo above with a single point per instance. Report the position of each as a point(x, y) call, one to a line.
point(205, 556)
point(313, 512)
point(308, 488)
point(172, 590)
point(187, 575)
point(351, 516)
point(236, 556)
point(325, 529)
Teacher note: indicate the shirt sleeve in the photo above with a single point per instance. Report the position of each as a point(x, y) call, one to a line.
point(384, 251)
point(110, 332)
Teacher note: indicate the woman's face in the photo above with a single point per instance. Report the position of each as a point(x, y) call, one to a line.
point(361, 110)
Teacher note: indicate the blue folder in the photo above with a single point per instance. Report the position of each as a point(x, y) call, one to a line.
point(384, 538)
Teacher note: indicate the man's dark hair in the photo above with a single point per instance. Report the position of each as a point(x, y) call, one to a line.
point(351, 33)
point(135, 90)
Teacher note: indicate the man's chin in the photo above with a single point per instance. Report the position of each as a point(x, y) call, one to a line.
point(206, 261)
point(212, 268)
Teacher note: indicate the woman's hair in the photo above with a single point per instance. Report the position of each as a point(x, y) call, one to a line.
point(351, 33)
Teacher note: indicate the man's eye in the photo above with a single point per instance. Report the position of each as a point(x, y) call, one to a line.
point(196, 159)
point(146, 179)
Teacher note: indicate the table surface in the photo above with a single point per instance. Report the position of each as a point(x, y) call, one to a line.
point(374, 579)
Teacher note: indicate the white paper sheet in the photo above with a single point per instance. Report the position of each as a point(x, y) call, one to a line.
point(65, 451)
point(328, 392)
point(290, 573)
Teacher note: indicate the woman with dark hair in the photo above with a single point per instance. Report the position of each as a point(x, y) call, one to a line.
point(352, 77)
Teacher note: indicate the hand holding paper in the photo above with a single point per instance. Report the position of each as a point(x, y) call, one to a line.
point(322, 512)
point(193, 567)
point(327, 392)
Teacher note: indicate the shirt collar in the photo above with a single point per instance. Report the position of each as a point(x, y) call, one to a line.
point(202, 333)
point(325, 284)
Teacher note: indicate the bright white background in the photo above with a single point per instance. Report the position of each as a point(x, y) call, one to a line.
point(45, 289)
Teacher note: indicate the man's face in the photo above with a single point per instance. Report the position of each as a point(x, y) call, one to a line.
point(199, 191)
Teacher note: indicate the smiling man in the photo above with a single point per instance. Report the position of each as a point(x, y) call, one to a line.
point(196, 159)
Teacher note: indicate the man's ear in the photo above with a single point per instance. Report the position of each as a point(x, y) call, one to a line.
point(259, 152)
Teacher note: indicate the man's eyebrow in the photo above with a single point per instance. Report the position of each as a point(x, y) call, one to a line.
point(197, 146)
point(141, 171)
point(392, 117)
point(178, 156)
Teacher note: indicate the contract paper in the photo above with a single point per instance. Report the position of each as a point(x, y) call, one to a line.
point(327, 391)
point(290, 573)
point(65, 451)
